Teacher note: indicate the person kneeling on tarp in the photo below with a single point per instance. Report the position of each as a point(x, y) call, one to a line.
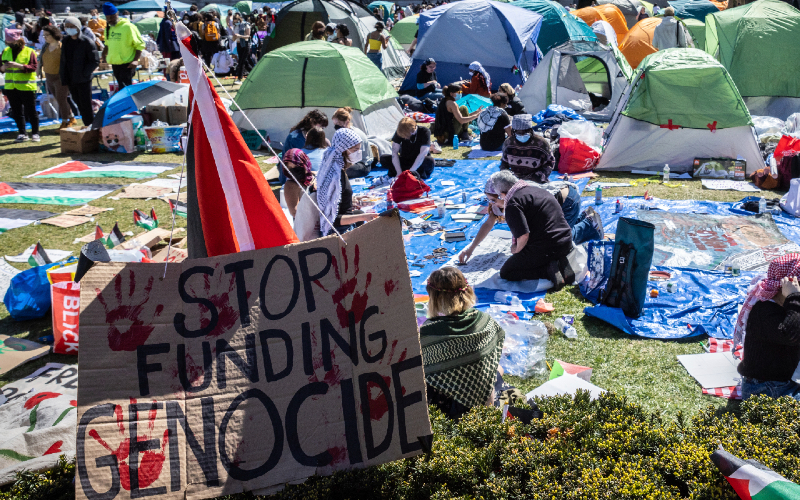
point(411, 146)
point(461, 346)
point(769, 324)
point(541, 238)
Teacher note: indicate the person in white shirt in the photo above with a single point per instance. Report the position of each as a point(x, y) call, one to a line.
point(222, 62)
point(670, 33)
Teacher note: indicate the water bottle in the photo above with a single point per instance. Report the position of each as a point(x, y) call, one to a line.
point(666, 172)
point(389, 200)
point(567, 329)
point(455, 142)
point(762, 205)
point(618, 208)
point(463, 197)
point(507, 298)
point(598, 196)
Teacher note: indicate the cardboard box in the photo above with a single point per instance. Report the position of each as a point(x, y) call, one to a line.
point(164, 139)
point(157, 113)
point(719, 168)
point(177, 115)
point(79, 141)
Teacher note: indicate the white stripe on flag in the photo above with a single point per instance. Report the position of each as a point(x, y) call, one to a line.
point(759, 478)
point(14, 223)
point(216, 138)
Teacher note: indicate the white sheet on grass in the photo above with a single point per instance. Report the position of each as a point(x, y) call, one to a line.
point(55, 255)
point(728, 185)
point(478, 152)
point(711, 370)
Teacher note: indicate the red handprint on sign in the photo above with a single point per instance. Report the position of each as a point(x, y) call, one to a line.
point(151, 461)
point(127, 330)
point(347, 288)
point(224, 291)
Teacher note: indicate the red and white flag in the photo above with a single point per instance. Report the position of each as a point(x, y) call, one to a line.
point(238, 210)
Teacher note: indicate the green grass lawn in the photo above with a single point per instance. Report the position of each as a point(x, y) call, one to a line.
point(647, 371)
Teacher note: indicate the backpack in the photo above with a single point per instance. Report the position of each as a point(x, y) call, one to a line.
point(408, 186)
point(212, 32)
point(630, 267)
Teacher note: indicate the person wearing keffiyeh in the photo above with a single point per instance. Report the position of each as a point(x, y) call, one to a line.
point(334, 193)
point(480, 83)
point(769, 327)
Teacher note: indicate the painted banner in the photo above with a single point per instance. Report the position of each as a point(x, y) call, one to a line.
point(250, 370)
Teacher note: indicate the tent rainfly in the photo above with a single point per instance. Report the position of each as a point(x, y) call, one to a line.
point(558, 26)
point(404, 31)
point(629, 8)
point(680, 105)
point(608, 13)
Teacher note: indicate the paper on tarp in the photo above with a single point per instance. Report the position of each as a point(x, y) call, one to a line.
point(14, 352)
point(565, 385)
point(52, 377)
point(325, 374)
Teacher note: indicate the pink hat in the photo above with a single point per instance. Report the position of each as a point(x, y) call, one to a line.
point(12, 35)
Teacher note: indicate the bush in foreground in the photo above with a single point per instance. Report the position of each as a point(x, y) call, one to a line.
point(582, 449)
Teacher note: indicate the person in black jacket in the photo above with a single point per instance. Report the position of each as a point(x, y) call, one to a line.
point(771, 317)
point(167, 40)
point(79, 59)
point(514, 106)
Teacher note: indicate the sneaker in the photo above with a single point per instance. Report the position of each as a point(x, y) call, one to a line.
point(36, 138)
point(72, 123)
point(597, 221)
point(22, 138)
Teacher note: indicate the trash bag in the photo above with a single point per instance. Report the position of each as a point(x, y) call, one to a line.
point(49, 106)
point(28, 296)
point(575, 156)
point(791, 201)
point(583, 131)
point(767, 125)
point(792, 126)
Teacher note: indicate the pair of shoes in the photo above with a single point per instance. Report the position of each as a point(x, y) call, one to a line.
point(596, 220)
point(21, 138)
point(36, 138)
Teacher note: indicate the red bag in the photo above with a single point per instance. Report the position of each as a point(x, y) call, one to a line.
point(788, 145)
point(576, 156)
point(408, 186)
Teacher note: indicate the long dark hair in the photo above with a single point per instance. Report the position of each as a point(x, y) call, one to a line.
point(313, 118)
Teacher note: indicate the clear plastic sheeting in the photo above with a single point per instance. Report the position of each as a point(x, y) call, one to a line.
point(524, 347)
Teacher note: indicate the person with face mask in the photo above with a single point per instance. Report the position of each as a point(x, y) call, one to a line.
point(49, 69)
point(480, 82)
point(411, 147)
point(79, 59)
point(19, 66)
point(525, 153)
point(97, 25)
point(451, 119)
point(124, 45)
point(342, 119)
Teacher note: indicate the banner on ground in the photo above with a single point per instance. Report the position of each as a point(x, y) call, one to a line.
point(248, 371)
point(53, 194)
point(88, 169)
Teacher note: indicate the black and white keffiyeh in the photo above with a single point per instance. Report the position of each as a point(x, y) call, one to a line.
point(329, 192)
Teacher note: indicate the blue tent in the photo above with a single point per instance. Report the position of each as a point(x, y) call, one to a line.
point(150, 5)
point(693, 9)
point(387, 8)
point(558, 25)
point(498, 35)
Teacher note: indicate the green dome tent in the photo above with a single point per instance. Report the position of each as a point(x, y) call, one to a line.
point(681, 104)
point(289, 82)
point(758, 45)
point(698, 31)
point(149, 26)
point(404, 30)
point(558, 25)
point(245, 6)
point(294, 21)
point(222, 10)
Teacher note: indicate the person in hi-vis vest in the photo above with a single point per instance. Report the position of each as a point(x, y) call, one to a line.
point(19, 66)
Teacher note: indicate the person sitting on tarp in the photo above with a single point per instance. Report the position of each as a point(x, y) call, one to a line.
point(541, 238)
point(514, 106)
point(343, 119)
point(427, 86)
point(494, 124)
point(316, 145)
point(526, 154)
point(451, 119)
point(769, 325)
point(335, 195)
point(297, 135)
point(461, 346)
point(299, 176)
point(411, 147)
point(480, 82)
point(585, 226)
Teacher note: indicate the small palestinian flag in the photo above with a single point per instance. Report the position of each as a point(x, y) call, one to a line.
point(98, 232)
point(515, 69)
point(115, 237)
point(142, 220)
point(752, 480)
point(178, 208)
point(39, 256)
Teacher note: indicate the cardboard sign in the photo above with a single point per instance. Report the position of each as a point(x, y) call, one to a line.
point(14, 352)
point(250, 370)
point(66, 220)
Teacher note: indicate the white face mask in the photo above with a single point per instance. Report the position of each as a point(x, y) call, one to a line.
point(355, 157)
point(71, 31)
point(94, 18)
point(523, 138)
point(331, 37)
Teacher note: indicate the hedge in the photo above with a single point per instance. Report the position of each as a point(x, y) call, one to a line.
point(582, 449)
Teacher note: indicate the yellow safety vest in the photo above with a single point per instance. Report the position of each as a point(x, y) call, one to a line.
point(15, 77)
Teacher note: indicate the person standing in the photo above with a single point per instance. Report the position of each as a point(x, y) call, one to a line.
point(19, 66)
point(49, 69)
point(670, 33)
point(376, 42)
point(97, 25)
point(79, 58)
point(210, 37)
point(167, 40)
point(241, 36)
point(124, 45)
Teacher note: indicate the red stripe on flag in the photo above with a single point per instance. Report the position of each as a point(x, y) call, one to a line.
point(72, 166)
point(6, 189)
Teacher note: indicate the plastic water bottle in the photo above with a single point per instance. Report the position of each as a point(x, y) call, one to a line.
point(507, 298)
point(666, 172)
point(389, 200)
point(598, 196)
point(618, 208)
point(463, 197)
point(455, 142)
point(567, 329)
point(762, 205)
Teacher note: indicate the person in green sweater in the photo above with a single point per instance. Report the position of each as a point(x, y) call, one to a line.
point(124, 44)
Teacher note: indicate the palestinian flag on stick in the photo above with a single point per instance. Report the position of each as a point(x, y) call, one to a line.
point(177, 208)
point(39, 256)
point(53, 194)
point(98, 232)
point(12, 218)
point(115, 237)
point(752, 480)
point(142, 220)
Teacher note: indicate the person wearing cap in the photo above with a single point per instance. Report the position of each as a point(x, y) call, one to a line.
point(525, 153)
point(19, 66)
point(49, 69)
point(79, 59)
point(427, 85)
point(124, 45)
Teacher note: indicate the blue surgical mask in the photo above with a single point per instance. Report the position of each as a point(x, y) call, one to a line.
point(71, 31)
point(523, 138)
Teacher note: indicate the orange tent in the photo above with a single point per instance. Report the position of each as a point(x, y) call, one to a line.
point(721, 4)
point(638, 43)
point(608, 13)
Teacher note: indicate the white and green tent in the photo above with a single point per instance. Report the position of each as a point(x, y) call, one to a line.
point(681, 104)
point(289, 82)
point(570, 71)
